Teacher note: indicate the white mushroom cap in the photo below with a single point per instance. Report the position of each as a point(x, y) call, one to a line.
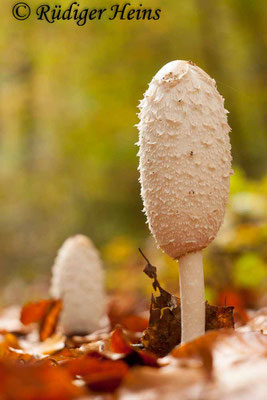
point(78, 279)
point(185, 158)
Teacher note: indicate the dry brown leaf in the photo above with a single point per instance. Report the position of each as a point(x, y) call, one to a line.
point(226, 350)
point(34, 312)
point(44, 312)
point(200, 349)
point(240, 366)
point(134, 323)
point(99, 374)
point(10, 349)
point(168, 383)
point(241, 299)
point(164, 330)
point(120, 343)
point(36, 382)
point(233, 347)
point(49, 322)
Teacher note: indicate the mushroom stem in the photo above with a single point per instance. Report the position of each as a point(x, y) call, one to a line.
point(192, 295)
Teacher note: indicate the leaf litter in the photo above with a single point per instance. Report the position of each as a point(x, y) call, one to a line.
point(135, 359)
point(164, 329)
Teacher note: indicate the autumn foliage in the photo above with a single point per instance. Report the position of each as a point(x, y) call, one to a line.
point(137, 356)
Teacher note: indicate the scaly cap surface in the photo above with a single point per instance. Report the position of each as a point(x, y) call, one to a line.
point(78, 279)
point(185, 158)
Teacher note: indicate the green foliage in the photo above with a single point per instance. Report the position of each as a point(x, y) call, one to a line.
point(237, 258)
point(250, 271)
point(69, 101)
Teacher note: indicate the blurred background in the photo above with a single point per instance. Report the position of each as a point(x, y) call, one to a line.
point(69, 99)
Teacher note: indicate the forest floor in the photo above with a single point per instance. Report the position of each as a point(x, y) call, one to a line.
point(137, 356)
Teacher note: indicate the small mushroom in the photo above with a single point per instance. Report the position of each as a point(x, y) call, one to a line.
point(185, 168)
point(78, 279)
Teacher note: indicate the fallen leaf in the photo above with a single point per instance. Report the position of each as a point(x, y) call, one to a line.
point(238, 300)
point(133, 356)
point(35, 311)
point(233, 347)
point(119, 343)
point(240, 366)
point(49, 321)
point(168, 383)
point(36, 382)
point(44, 312)
point(134, 323)
point(217, 349)
point(99, 374)
point(164, 329)
point(200, 349)
point(218, 317)
point(10, 349)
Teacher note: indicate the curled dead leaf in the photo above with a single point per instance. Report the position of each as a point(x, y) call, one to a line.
point(164, 329)
point(49, 321)
point(44, 312)
point(131, 354)
point(34, 312)
point(99, 374)
point(119, 342)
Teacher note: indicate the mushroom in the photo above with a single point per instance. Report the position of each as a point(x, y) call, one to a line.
point(185, 169)
point(78, 279)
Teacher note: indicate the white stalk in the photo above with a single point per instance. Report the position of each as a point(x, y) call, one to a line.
point(192, 295)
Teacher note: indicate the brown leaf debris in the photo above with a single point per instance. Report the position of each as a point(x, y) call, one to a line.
point(164, 329)
point(44, 312)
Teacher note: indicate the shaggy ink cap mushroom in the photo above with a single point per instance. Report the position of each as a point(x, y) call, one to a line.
point(78, 279)
point(185, 163)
